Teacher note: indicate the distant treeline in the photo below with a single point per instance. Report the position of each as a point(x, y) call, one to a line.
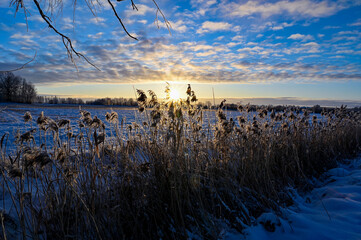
point(281, 108)
point(130, 102)
point(16, 89)
point(57, 100)
point(102, 101)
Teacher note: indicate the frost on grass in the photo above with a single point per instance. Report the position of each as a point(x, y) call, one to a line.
point(166, 170)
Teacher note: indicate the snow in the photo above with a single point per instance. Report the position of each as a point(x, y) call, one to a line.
point(11, 117)
point(332, 210)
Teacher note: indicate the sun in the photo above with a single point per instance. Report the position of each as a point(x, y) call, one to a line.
point(174, 94)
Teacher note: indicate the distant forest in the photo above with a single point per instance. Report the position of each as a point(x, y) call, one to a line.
point(78, 101)
point(16, 89)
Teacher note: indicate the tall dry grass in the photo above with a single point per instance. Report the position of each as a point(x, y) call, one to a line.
point(170, 175)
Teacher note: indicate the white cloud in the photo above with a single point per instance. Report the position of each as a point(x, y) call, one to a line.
point(97, 20)
point(204, 3)
point(205, 54)
point(26, 40)
point(302, 37)
point(295, 9)
point(345, 37)
point(179, 26)
point(252, 44)
point(349, 33)
point(5, 27)
point(68, 23)
point(96, 36)
point(209, 26)
point(304, 48)
point(36, 18)
point(281, 26)
point(244, 65)
point(345, 52)
point(331, 27)
point(202, 7)
point(233, 44)
point(219, 38)
point(200, 47)
point(142, 10)
point(311, 47)
point(337, 56)
point(308, 56)
point(253, 50)
point(237, 38)
point(356, 23)
point(22, 36)
point(196, 47)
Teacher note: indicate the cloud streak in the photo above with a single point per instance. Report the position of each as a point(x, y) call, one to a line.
point(209, 26)
point(302, 37)
point(144, 62)
point(293, 9)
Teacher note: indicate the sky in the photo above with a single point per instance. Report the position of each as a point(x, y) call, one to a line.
point(298, 50)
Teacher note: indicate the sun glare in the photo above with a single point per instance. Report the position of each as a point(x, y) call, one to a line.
point(174, 94)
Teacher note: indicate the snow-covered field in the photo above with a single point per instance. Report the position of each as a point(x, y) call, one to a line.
point(332, 210)
point(11, 116)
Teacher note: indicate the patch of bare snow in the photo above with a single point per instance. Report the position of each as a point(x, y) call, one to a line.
point(330, 211)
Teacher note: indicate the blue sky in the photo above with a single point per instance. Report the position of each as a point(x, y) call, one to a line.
point(305, 49)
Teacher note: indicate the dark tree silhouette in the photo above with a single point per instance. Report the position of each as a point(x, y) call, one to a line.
point(28, 92)
point(16, 89)
point(9, 84)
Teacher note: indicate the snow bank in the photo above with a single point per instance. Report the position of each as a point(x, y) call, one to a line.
point(330, 211)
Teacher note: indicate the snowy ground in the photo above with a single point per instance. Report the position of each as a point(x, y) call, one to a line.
point(11, 117)
point(330, 211)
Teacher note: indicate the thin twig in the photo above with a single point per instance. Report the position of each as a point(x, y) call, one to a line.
point(323, 205)
point(19, 68)
point(120, 20)
point(2, 225)
point(66, 40)
point(167, 23)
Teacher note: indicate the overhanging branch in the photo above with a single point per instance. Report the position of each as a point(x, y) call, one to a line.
point(120, 20)
point(19, 68)
point(66, 40)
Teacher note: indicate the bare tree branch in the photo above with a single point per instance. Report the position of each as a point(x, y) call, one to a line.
point(167, 23)
point(66, 40)
point(19, 68)
point(120, 20)
point(134, 6)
